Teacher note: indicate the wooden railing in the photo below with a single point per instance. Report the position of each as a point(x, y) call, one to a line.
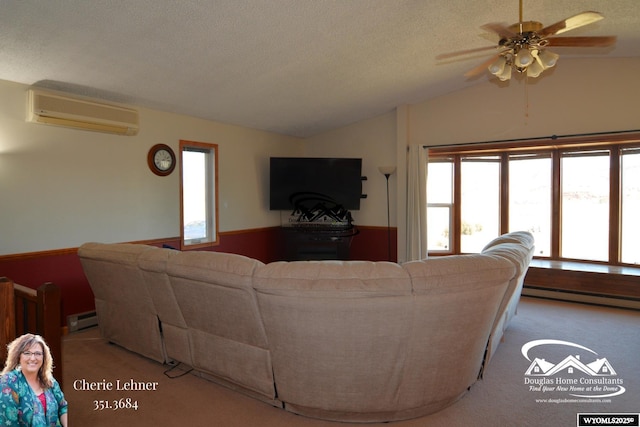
point(37, 311)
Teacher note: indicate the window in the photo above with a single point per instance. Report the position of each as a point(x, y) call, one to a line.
point(580, 198)
point(585, 205)
point(480, 202)
point(440, 205)
point(530, 197)
point(199, 194)
point(630, 194)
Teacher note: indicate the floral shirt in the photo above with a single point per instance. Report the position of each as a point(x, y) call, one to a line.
point(19, 405)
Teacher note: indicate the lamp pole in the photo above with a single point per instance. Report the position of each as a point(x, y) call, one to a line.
point(387, 171)
point(387, 175)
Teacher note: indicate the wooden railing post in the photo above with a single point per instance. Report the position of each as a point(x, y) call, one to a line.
point(48, 324)
point(7, 317)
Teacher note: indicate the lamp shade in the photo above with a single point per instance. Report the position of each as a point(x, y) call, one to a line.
point(505, 75)
point(548, 58)
point(497, 67)
point(387, 170)
point(523, 58)
point(535, 69)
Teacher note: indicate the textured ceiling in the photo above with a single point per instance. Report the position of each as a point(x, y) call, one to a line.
point(296, 67)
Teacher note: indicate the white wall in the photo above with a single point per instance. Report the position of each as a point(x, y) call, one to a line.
point(61, 187)
point(576, 96)
point(374, 141)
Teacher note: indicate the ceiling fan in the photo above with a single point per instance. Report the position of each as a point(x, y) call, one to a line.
point(523, 46)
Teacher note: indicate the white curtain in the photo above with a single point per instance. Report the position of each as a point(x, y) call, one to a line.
point(417, 203)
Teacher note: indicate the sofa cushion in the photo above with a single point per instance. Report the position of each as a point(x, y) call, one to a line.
point(126, 312)
point(523, 238)
point(153, 265)
point(215, 294)
point(343, 278)
point(368, 341)
point(336, 328)
point(518, 249)
point(154, 268)
point(456, 302)
point(226, 335)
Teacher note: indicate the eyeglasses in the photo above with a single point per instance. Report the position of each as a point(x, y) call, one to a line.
point(37, 354)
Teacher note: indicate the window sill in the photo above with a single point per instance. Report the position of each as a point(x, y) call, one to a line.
point(586, 267)
point(584, 282)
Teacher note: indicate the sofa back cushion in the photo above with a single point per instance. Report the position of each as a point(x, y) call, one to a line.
point(154, 269)
point(226, 336)
point(523, 238)
point(153, 266)
point(324, 278)
point(336, 327)
point(518, 254)
point(126, 312)
point(518, 248)
point(215, 294)
point(456, 301)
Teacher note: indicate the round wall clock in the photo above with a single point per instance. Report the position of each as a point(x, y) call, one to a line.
point(161, 159)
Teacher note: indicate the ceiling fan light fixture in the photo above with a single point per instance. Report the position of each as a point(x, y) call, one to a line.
point(547, 58)
point(523, 58)
point(505, 75)
point(497, 67)
point(535, 69)
point(522, 46)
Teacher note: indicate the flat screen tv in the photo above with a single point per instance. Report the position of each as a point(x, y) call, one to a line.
point(296, 179)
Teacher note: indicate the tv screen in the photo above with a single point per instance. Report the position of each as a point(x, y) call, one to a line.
point(298, 179)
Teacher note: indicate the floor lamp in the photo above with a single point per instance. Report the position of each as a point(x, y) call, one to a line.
point(387, 171)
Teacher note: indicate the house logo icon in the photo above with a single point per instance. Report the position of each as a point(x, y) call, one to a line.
point(579, 371)
point(571, 364)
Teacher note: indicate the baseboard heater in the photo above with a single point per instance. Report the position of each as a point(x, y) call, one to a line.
point(585, 298)
point(81, 321)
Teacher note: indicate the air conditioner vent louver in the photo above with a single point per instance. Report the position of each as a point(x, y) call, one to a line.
point(62, 110)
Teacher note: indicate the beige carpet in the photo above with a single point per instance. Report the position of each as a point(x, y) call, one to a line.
point(502, 398)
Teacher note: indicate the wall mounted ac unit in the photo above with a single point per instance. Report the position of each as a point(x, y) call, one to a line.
point(78, 113)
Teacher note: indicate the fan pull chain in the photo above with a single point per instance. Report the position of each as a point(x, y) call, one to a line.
point(526, 99)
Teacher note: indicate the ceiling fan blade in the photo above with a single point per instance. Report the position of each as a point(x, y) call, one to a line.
point(576, 21)
point(501, 30)
point(602, 41)
point(464, 52)
point(482, 67)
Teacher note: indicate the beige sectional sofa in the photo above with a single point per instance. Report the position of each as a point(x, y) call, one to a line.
point(341, 340)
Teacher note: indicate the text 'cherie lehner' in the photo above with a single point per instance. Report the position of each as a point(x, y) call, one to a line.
point(119, 385)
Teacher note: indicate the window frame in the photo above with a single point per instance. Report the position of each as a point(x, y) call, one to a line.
point(553, 146)
point(211, 185)
point(486, 159)
point(605, 152)
point(446, 205)
point(509, 161)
